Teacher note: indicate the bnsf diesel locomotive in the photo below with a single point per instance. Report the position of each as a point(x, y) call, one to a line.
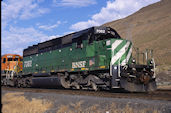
point(11, 64)
point(94, 58)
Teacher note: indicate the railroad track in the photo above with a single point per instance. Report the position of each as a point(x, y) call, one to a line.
point(157, 95)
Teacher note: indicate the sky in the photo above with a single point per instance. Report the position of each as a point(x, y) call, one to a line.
point(28, 22)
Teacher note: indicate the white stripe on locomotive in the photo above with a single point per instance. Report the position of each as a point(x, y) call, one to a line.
point(128, 56)
point(115, 45)
point(119, 53)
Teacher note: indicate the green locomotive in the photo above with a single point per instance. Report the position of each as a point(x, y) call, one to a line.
point(94, 58)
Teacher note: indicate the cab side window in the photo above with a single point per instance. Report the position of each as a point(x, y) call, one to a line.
point(4, 60)
point(79, 43)
point(90, 38)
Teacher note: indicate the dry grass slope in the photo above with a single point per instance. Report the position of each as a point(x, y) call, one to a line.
point(150, 27)
point(17, 103)
point(79, 108)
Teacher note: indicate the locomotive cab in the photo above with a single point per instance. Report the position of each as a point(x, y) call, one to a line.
point(9, 61)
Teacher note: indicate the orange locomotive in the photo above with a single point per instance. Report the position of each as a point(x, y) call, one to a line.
point(11, 65)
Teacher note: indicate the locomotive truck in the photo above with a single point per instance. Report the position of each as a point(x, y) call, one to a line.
point(94, 58)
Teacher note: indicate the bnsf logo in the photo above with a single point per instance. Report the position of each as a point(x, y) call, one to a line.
point(79, 64)
point(28, 63)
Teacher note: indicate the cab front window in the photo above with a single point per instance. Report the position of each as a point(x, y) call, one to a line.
point(9, 59)
point(15, 59)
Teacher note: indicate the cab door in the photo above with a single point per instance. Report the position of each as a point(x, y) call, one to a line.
point(3, 63)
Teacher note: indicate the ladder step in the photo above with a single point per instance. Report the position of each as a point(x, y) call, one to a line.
point(117, 79)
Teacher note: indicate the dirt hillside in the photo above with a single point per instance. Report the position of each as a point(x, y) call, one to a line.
point(150, 27)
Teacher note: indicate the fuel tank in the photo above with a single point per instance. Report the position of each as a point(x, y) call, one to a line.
point(46, 82)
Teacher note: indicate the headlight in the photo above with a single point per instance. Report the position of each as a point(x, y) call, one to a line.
point(151, 62)
point(133, 61)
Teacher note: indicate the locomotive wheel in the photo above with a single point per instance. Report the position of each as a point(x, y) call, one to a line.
point(75, 85)
point(94, 86)
point(19, 82)
point(28, 83)
point(64, 82)
point(2, 81)
point(18, 85)
point(5, 82)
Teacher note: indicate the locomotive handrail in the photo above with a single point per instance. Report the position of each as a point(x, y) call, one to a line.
point(110, 69)
point(119, 68)
point(147, 56)
point(154, 68)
